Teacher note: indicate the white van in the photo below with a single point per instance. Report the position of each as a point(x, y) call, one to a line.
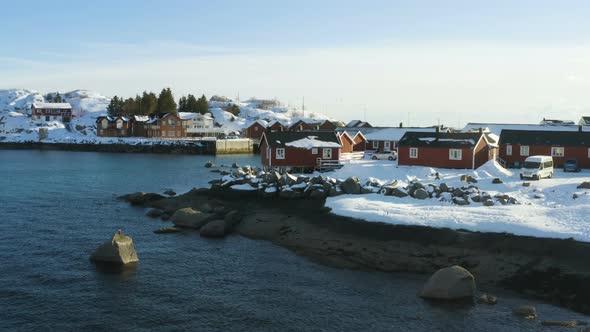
point(537, 167)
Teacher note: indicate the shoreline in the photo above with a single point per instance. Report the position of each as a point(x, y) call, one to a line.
point(551, 270)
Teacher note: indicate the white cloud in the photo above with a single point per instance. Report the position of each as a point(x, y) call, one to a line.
point(452, 82)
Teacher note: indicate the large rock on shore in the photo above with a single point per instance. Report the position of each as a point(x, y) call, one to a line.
point(119, 250)
point(351, 185)
point(215, 228)
point(526, 312)
point(190, 218)
point(451, 283)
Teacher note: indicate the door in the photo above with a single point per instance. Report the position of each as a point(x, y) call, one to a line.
point(386, 146)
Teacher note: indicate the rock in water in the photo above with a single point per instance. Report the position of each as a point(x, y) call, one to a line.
point(497, 181)
point(487, 299)
point(167, 230)
point(526, 311)
point(190, 218)
point(154, 213)
point(215, 228)
point(451, 283)
point(119, 250)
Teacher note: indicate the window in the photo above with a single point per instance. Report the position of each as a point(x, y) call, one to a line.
point(171, 122)
point(300, 127)
point(280, 153)
point(375, 145)
point(119, 124)
point(163, 134)
point(255, 128)
point(455, 154)
point(327, 153)
point(413, 152)
point(47, 117)
point(105, 123)
point(101, 132)
point(524, 150)
point(508, 149)
point(588, 152)
point(171, 133)
point(387, 146)
point(557, 152)
point(315, 151)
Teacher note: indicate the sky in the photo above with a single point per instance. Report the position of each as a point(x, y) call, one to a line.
point(419, 62)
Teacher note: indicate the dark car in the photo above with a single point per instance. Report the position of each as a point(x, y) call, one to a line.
point(571, 165)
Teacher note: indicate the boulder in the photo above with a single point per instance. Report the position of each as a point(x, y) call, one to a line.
point(317, 180)
point(335, 191)
point(421, 194)
point(366, 190)
point(289, 179)
point(209, 164)
point(317, 194)
point(167, 230)
point(584, 185)
point(215, 228)
point(170, 192)
point(444, 187)
point(451, 283)
point(562, 323)
point(351, 185)
point(526, 311)
point(224, 172)
point(468, 179)
point(487, 299)
point(575, 196)
point(119, 250)
point(232, 219)
point(497, 181)
point(476, 198)
point(397, 192)
point(141, 198)
point(460, 201)
point(235, 165)
point(154, 213)
point(190, 218)
point(488, 202)
point(288, 193)
point(459, 192)
point(526, 184)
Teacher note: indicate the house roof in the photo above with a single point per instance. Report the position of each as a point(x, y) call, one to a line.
point(272, 123)
point(302, 139)
point(496, 128)
point(59, 106)
point(557, 122)
point(358, 124)
point(141, 118)
point(261, 122)
point(336, 124)
point(112, 118)
point(351, 132)
point(442, 139)
point(586, 120)
point(394, 133)
point(192, 115)
point(543, 137)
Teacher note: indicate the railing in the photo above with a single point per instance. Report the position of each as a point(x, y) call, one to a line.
point(323, 165)
point(348, 156)
point(501, 161)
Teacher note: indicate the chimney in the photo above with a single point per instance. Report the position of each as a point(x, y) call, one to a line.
point(401, 124)
point(437, 131)
point(480, 130)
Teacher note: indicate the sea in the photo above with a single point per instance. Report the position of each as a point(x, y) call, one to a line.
point(56, 207)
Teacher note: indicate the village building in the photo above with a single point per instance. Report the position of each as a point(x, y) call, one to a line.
point(303, 150)
point(52, 112)
point(555, 122)
point(167, 125)
point(446, 150)
point(255, 130)
point(199, 125)
point(301, 125)
point(386, 139)
point(358, 124)
point(347, 142)
point(107, 126)
point(330, 125)
point(277, 126)
point(584, 121)
point(517, 145)
point(359, 142)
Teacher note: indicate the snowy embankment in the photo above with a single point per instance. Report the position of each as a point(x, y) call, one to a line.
point(546, 208)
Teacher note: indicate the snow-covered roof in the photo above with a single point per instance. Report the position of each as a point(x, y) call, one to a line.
point(141, 118)
point(310, 142)
point(187, 115)
point(394, 133)
point(496, 128)
point(272, 123)
point(60, 106)
point(260, 122)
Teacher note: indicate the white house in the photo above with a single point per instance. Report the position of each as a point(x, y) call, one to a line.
point(199, 125)
point(52, 112)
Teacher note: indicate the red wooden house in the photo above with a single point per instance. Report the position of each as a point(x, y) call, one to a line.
point(52, 112)
point(446, 150)
point(277, 126)
point(301, 125)
point(347, 142)
point(387, 138)
point(299, 149)
point(256, 129)
point(330, 125)
point(167, 125)
point(358, 143)
point(517, 145)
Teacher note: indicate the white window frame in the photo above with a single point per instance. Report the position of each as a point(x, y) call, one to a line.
point(315, 151)
point(588, 152)
point(375, 144)
point(508, 149)
point(387, 146)
point(255, 128)
point(280, 153)
point(119, 124)
point(414, 153)
point(327, 153)
point(524, 150)
point(455, 154)
point(104, 123)
point(164, 133)
point(171, 133)
point(554, 150)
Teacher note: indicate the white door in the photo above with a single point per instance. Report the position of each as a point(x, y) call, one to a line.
point(386, 146)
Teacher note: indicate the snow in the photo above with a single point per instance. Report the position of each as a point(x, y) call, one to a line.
point(496, 128)
point(244, 186)
point(52, 105)
point(547, 207)
point(311, 142)
point(431, 139)
point(392, 134)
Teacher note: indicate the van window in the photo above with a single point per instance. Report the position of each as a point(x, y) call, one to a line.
point(532, 164)
point(548, 163)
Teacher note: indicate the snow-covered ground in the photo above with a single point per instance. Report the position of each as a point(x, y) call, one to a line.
point(546, 209)
point(17, 126)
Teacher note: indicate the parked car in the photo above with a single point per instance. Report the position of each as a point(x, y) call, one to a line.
point(571, 165)
point(537, 167)
point(232, 137)
point(384, 155)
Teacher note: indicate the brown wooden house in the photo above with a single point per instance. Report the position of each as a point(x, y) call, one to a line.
point(301, 125)
point(120, 126)
point(277, 126)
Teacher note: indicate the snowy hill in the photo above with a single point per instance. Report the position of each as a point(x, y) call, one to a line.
point(17, 126)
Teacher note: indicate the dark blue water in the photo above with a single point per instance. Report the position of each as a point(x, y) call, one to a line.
point(57, 207)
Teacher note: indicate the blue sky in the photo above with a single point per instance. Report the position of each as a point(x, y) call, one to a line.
point(290, 49)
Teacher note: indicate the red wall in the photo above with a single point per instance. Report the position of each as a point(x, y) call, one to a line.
point(359, 144)
point(277, 127)
point(328, 126)
point(294, 157)
point(439, 157)
point(392, 145)
point(579, 153)
point(251, 132)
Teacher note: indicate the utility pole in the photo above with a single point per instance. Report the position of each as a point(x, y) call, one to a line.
point(303, 107)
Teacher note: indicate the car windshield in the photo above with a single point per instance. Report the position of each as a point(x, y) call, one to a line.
point(571, 162)
point(532, 164)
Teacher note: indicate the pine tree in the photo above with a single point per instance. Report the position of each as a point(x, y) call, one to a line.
point(191, 104)
point(202, 105)
point(115, 107)
point(129, 107)
point(182, 104)
point(149, 103)
point(57, 98)
point(49, 98)
point(166, 103)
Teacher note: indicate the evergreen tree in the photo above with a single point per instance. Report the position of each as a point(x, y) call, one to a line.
point(234, 109)
point(129, 107)
point(49, 98)
point(57, 98)
point(202, 105)
point(191, 104)
point(182, 104)
point(149, 103)
point(115, 107)
point(166, 103)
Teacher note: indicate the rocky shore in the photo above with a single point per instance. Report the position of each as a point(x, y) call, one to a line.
point(188, 148)
point(552, 270)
